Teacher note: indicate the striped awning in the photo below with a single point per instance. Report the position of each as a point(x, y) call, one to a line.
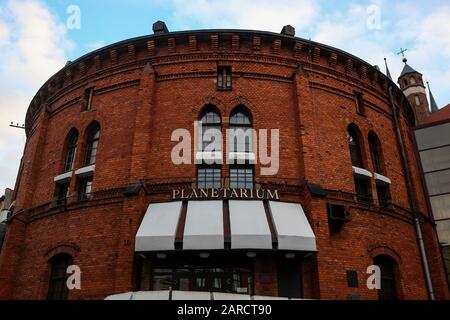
point(216, 225)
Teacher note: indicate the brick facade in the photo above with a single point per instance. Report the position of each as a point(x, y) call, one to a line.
point(147, 87)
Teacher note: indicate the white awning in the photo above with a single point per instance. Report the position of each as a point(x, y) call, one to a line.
point(292, 227)
point(249, 226)
point(204, 226)
point(158, 228)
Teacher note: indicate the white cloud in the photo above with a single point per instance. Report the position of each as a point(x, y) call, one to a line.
point(233, 14)
point(426, 34)
point(29, 56)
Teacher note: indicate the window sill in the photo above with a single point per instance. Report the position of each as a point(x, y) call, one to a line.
point(85, 171)
point(362, 173)
point(224, 89)
point(382, 180)
point(212, 157)
point(63, 178)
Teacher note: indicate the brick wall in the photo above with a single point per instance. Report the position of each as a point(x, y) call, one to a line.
point(149, 88)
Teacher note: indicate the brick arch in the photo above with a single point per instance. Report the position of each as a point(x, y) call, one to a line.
point(242, 102)
point(89, 127)
point(212, 101)
point(384, 250)
point(69, 248)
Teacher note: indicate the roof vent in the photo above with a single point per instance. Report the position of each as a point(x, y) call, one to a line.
point(288, 30)
point(160, 27)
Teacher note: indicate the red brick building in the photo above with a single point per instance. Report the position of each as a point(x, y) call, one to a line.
point(97, 186)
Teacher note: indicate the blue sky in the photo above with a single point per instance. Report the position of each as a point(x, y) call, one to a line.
point(35, 41)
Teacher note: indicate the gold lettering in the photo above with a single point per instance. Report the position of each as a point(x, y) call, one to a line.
point(204, 193)
point(234, 194)
point(176, 194)
point(260, 194)
point(274, 195)
point(194, 194)
point(244, 193)
point(225, 192)
point(214, 193)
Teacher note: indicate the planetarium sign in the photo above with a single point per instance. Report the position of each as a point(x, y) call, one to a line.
point(225, 193)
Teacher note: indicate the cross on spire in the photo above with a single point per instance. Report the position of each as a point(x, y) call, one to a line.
point(402, 52)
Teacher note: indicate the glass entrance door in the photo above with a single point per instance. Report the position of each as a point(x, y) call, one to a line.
point(202, 276)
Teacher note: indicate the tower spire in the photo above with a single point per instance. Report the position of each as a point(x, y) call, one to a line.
point(433, 103)
point(388, 73)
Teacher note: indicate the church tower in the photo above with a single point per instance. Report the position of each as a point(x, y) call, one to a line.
point(412, 85)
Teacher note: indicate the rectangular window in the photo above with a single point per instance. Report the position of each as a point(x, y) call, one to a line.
point(85, 188)
point(224, 78)
point(384, 198)
point(363, 190)
point(360, 107)
point(209, 177)
point(88, 95)
point(241, 177)
point(62, 192)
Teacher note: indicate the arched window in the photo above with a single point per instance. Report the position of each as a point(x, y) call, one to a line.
point(209, 171)
point(93, 138)
point(354, 146)
point(57, 289)
point(211, 130)
point(388, 280)
point(375, 152)
point(412, 80)
point(72, 141)
point(241, 131)
point(383, 192)
point(241, 144)
point(405, 82)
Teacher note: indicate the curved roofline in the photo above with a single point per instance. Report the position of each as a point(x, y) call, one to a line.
point(208, 31)
point(267, 33)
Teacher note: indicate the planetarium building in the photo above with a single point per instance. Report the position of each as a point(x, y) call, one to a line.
point(220, 163)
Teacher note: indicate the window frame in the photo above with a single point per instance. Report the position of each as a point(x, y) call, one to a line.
point(224, 78)
point(70, 151)
point(245, 126)
point(355, 146)
point(236, 183)
point(93, 138)
point(206, 124)
point(84, 190)
point(208, 184)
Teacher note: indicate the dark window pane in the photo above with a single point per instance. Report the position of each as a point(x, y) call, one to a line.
point(363, 190)
point(383, 195)
point(57, 289)
point(85, 188)
point(92, 145)
point(71, 151)
point(374, 153)
point(355, 148)
point(388, 282)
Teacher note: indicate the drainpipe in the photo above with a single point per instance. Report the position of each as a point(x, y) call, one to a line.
point(412, 198)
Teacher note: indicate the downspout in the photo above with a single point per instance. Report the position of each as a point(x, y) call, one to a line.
point(412, 198)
